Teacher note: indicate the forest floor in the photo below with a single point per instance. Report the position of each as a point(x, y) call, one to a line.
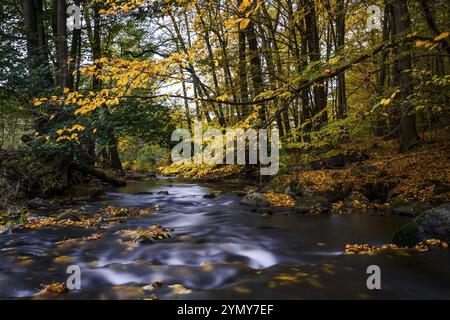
point(372, 176)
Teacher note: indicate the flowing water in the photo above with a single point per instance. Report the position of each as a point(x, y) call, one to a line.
point(220, 250)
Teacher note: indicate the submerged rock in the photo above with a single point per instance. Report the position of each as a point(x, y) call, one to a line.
point(17, 228)
point(255, 199)
point(263, 211)
point(163, 193)
point(432, 224)
point(210, 195)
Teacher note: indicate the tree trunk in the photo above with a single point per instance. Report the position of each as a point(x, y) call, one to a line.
point(62, 72)
point(37, 48)
point(403, 78)
point(312, 39)
point(242, 68)
point(340, 42)
point(256, 68)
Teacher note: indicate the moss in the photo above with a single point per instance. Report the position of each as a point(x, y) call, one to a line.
point(408, 234)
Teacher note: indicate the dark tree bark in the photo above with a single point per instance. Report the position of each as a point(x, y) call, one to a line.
point(403, 77)
point(74, 52)
point(242, 69)
point(37, 48)
point(312, 39)
point(256, 68)
point(62, 72)
point(340, 42)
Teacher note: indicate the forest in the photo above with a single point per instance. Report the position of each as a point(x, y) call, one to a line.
point(338, 111)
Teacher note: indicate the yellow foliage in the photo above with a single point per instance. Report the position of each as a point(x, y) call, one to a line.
point(280, 200)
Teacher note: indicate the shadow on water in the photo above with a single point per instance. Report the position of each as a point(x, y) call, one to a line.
point(219, 249)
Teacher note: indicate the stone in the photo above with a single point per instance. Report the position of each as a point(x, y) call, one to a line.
point(335, 162)
point(241, 194)
point(363, 169)
point(210, 195)
point(432, 224)
point(17, 228)
point(71, 216)
point(411, 209)
point(39, 204)
point(255, 199)
point(163, 193)
point(312, 204)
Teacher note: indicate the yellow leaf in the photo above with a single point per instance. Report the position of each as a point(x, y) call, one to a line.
point(442, 36)
point(244, 24)
point(244, 5)
point(231, 23)
point(420, 43)
point(63, 259)
point(385, 102)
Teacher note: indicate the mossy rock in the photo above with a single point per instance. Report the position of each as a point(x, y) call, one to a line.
point(432, 224)
point(255, 199)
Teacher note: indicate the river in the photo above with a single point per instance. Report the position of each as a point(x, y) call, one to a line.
point(220, 250)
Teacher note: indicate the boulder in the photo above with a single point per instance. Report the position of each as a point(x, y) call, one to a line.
point(5, 229)
point(17, 228)
point(163, 193)
point(210, 195)
point(255, 199)
point(363, 170)
point(240, 194)
point(312, 204)
point(39, 204)
point(432, 224)
point(70, 216)
point(334, 162)
point(409, 209)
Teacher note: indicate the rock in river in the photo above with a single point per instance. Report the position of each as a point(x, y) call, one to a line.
point(39, 204)
point(210, 195)
point(432, 224)
point(255, 199)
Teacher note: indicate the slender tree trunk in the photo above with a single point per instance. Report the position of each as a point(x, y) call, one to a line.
point(242, 68)
point(403, 78)
point(37, 48)
point(340, 41)
point(256, 68)
point(74, 51)
point(312, 36)
point(62, 72)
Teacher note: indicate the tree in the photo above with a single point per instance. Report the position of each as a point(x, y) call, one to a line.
point(402, 75)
